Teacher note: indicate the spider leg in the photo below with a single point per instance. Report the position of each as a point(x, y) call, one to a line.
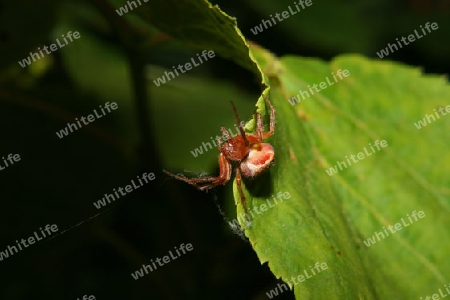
point(259, 135)
point(189, 180)
point(209, 182)
point(241, 129)
point(241, 193)
point(272, 119)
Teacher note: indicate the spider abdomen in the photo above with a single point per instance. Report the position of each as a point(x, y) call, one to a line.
point(259, 158)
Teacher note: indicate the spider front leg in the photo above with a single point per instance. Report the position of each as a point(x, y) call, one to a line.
point(272, 119)
point(209, 182)
point(259, 135)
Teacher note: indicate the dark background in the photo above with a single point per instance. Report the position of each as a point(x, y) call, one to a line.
point(57, 180)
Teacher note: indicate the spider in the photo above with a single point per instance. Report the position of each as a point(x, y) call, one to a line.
point(251, 155)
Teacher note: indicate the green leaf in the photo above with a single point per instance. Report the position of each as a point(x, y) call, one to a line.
point(200, 25)
point(306, 228)
point(327, 218)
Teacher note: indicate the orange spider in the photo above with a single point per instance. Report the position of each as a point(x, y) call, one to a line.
point(247, 150)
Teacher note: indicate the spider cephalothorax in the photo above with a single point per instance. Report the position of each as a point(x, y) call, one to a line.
point(251, 155)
